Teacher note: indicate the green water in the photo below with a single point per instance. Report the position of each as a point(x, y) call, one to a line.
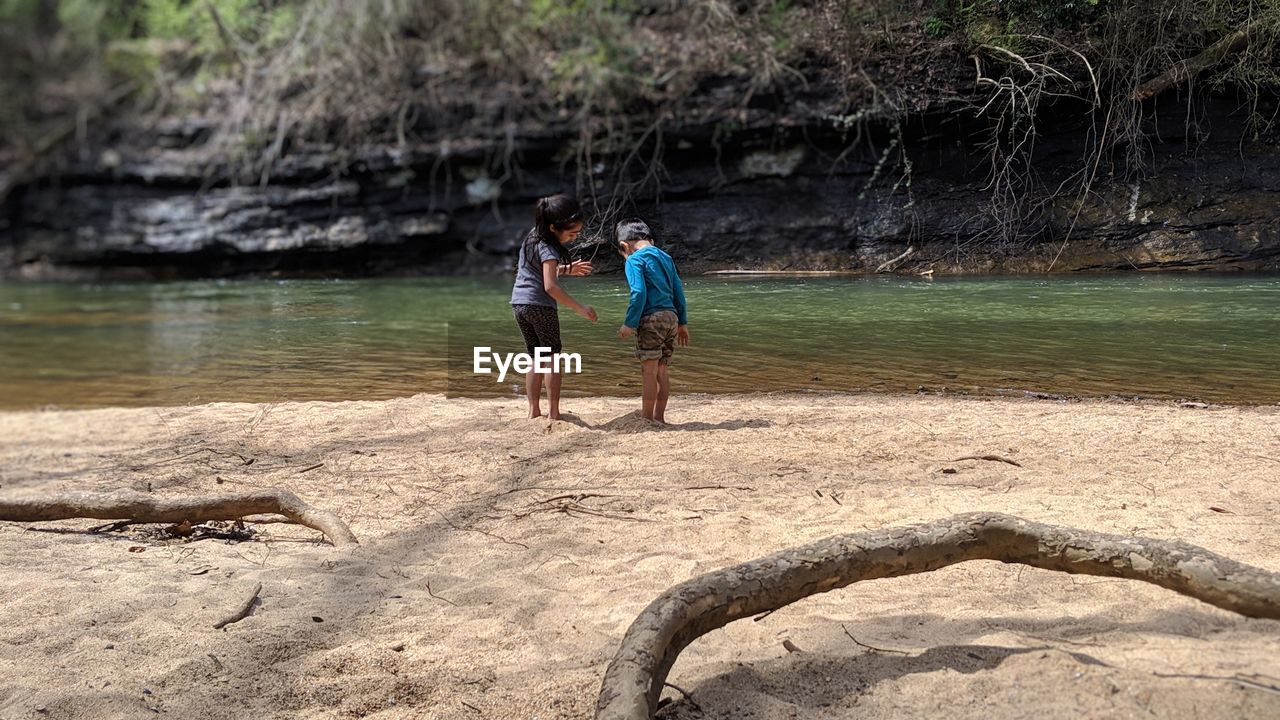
point(1210, 338)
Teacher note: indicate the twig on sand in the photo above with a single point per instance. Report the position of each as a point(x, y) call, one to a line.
point(1238, 679)
point(113, 526)
point(570, 504)
point(570, 508)
point(456, 526)
point(439, 597)
point(226, 453)
point(922, 427)
point(859, 643)
point(243, 611)
point(687, 695)
point(992, 458)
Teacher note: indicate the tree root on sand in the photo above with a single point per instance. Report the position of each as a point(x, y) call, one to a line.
point(145, 508)
point(634, 680)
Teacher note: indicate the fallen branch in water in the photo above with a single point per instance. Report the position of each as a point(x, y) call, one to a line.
point(144, 508)
point(888, 265)
point(635, 677)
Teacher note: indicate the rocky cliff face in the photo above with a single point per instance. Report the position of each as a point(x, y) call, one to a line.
point(763, 195)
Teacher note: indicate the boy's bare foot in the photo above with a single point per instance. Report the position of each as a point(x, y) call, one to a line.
point(535, 414)
point(553, 416)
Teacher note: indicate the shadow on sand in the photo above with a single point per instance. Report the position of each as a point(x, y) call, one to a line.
point(632, 422)
point(811, 682)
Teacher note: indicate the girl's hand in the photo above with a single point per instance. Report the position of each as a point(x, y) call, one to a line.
point(589, 313)
point(625, 332)
point(682, 336)
point(579, 268)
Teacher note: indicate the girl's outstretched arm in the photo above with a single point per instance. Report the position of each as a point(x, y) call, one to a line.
point(553, 288)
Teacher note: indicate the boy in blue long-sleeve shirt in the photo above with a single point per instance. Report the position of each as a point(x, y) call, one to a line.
point(656, 314)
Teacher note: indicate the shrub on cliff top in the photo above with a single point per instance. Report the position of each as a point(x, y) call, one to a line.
point(275, 74)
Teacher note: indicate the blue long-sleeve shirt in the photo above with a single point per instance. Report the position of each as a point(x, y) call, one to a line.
point(655, 285)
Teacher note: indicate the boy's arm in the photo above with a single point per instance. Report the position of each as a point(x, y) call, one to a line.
point(635, 278)
point(677, 291)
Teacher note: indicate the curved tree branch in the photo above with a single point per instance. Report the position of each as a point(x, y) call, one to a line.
point(633, 681)
point(142, 507)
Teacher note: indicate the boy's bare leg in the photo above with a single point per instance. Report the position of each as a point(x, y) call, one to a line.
point(554, 381)
point(649, 396)
point(533, 388)
point(664, 389)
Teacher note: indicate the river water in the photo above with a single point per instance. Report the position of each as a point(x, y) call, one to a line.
point(1212, 338)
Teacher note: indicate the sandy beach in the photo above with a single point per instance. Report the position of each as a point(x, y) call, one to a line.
point(502, 559)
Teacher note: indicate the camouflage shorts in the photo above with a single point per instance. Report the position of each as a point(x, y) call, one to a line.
point(656, 336)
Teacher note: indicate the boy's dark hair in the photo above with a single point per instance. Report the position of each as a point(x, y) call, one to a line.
point(554, 212)
point(633, 229)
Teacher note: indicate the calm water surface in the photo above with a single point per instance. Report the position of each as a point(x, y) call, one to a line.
point(85, 345)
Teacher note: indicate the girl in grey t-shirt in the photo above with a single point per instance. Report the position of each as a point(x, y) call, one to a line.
point(542, 260)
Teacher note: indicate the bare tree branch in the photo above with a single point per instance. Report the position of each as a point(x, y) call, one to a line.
point(635, 677)
point(1187, 69)
point(141, 507)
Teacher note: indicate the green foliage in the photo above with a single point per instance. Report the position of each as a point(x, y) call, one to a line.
point(92, 23)
point(252, 21)
point(20, 13)
point(593, 51)
point(776, 21)
point(281, 24)
point(1052, 14)
point(136, 60)
point(985, 22)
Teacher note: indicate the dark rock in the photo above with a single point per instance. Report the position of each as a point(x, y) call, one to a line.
point(765, 196)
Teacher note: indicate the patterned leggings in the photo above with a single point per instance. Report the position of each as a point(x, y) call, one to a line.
point(540, 326)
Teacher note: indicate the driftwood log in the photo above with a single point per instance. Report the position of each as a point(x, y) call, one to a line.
point(635, 677)
point(143, 507)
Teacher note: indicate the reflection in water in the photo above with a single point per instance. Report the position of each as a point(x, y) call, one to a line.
point(1213, 338)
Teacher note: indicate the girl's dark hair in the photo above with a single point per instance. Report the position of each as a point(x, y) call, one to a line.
point(554, 212)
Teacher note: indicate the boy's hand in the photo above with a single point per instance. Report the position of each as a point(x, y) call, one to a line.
point(589, 313)
point(625, 332)
point(682, 336)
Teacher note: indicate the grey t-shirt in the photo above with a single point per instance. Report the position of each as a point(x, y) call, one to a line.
point(529, 288)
